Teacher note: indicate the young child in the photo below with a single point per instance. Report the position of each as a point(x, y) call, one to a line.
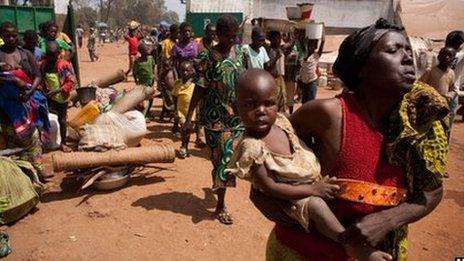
point(144, 72)
point(182, 92)
point(91, 45)
point(278, 164)
point(255, 52)
point(442, 77)
point(133, 44)
point(307, 82)
point(276, 66)
point(31, 41)
point(50, 33)
point(58, 81)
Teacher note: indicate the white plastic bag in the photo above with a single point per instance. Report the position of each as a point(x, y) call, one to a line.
point(54, 133)
point(131, 123)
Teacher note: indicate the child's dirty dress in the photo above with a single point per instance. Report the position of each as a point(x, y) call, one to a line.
point(301, 167)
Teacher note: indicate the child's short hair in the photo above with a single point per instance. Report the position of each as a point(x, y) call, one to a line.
point(173, 28)
point(184, 25)
point(6, 26)
point(273, 34)
point(143, 47)
point(454, 38)
point(187, 62)
point(30, 34)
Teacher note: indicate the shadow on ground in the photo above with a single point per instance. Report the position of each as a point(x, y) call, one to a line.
point(457, 196)
point(70, 188)
point(184, 203)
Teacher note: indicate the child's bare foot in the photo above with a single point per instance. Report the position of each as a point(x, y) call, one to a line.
point(65, 148)
point(367, 253)
point(200, 144)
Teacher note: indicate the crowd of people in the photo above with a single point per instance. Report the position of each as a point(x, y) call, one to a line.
point(377, 134)
point(36, 78)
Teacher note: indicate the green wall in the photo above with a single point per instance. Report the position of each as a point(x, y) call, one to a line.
point(26, 18)
point(198, 21)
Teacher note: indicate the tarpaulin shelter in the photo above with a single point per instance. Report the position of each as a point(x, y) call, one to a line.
point(432, 19)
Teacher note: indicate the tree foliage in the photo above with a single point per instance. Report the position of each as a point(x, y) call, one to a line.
point(120, 12)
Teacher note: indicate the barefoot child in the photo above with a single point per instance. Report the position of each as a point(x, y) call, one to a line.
point(182, 92)
point(58, 81)
point(144, 73)
point(279, 165)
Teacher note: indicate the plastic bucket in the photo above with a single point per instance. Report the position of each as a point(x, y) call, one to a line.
point(314, 30)
point(306, 10)
point(293, 12)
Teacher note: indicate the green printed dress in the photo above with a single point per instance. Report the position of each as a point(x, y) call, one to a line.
point(218, 111)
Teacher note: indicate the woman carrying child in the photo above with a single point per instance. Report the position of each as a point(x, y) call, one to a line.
point(378, 136)
point(279, 165)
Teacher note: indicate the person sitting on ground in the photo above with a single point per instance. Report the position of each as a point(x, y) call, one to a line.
point(58, 82)
point(210, 38)
point(31, 42)
point(442, 78)
point(277, 163)
point(50, 33)
point(92, 45)
point(182, 92)
point(307, 82)
point(144, 74)
point(276, 66)
point(255, 52)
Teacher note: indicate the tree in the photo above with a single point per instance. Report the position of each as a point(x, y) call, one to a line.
point(120, 12)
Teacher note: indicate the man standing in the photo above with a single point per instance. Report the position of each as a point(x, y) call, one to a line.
point(79, 34)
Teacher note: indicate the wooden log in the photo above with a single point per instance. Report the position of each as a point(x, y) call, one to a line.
point(111, 79)
point(161, 153)
point(132, 98)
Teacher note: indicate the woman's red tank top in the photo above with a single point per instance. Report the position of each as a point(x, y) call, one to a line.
point(361, 157)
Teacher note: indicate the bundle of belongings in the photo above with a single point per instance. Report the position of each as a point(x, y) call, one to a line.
point(108, 122)
point(19, 189)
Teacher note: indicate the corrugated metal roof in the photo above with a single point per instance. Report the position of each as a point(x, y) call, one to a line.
point(218, 6)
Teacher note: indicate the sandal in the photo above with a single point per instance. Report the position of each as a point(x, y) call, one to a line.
point(224, 217)
point(183, 153)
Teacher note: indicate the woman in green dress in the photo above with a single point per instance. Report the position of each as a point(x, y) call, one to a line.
point(217, 70)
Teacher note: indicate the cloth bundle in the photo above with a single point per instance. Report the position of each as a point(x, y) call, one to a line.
point(100, 138)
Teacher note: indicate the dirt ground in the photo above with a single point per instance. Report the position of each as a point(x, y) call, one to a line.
point(166, 211)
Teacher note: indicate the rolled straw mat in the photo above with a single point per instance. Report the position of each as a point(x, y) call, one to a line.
point(162, 153)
